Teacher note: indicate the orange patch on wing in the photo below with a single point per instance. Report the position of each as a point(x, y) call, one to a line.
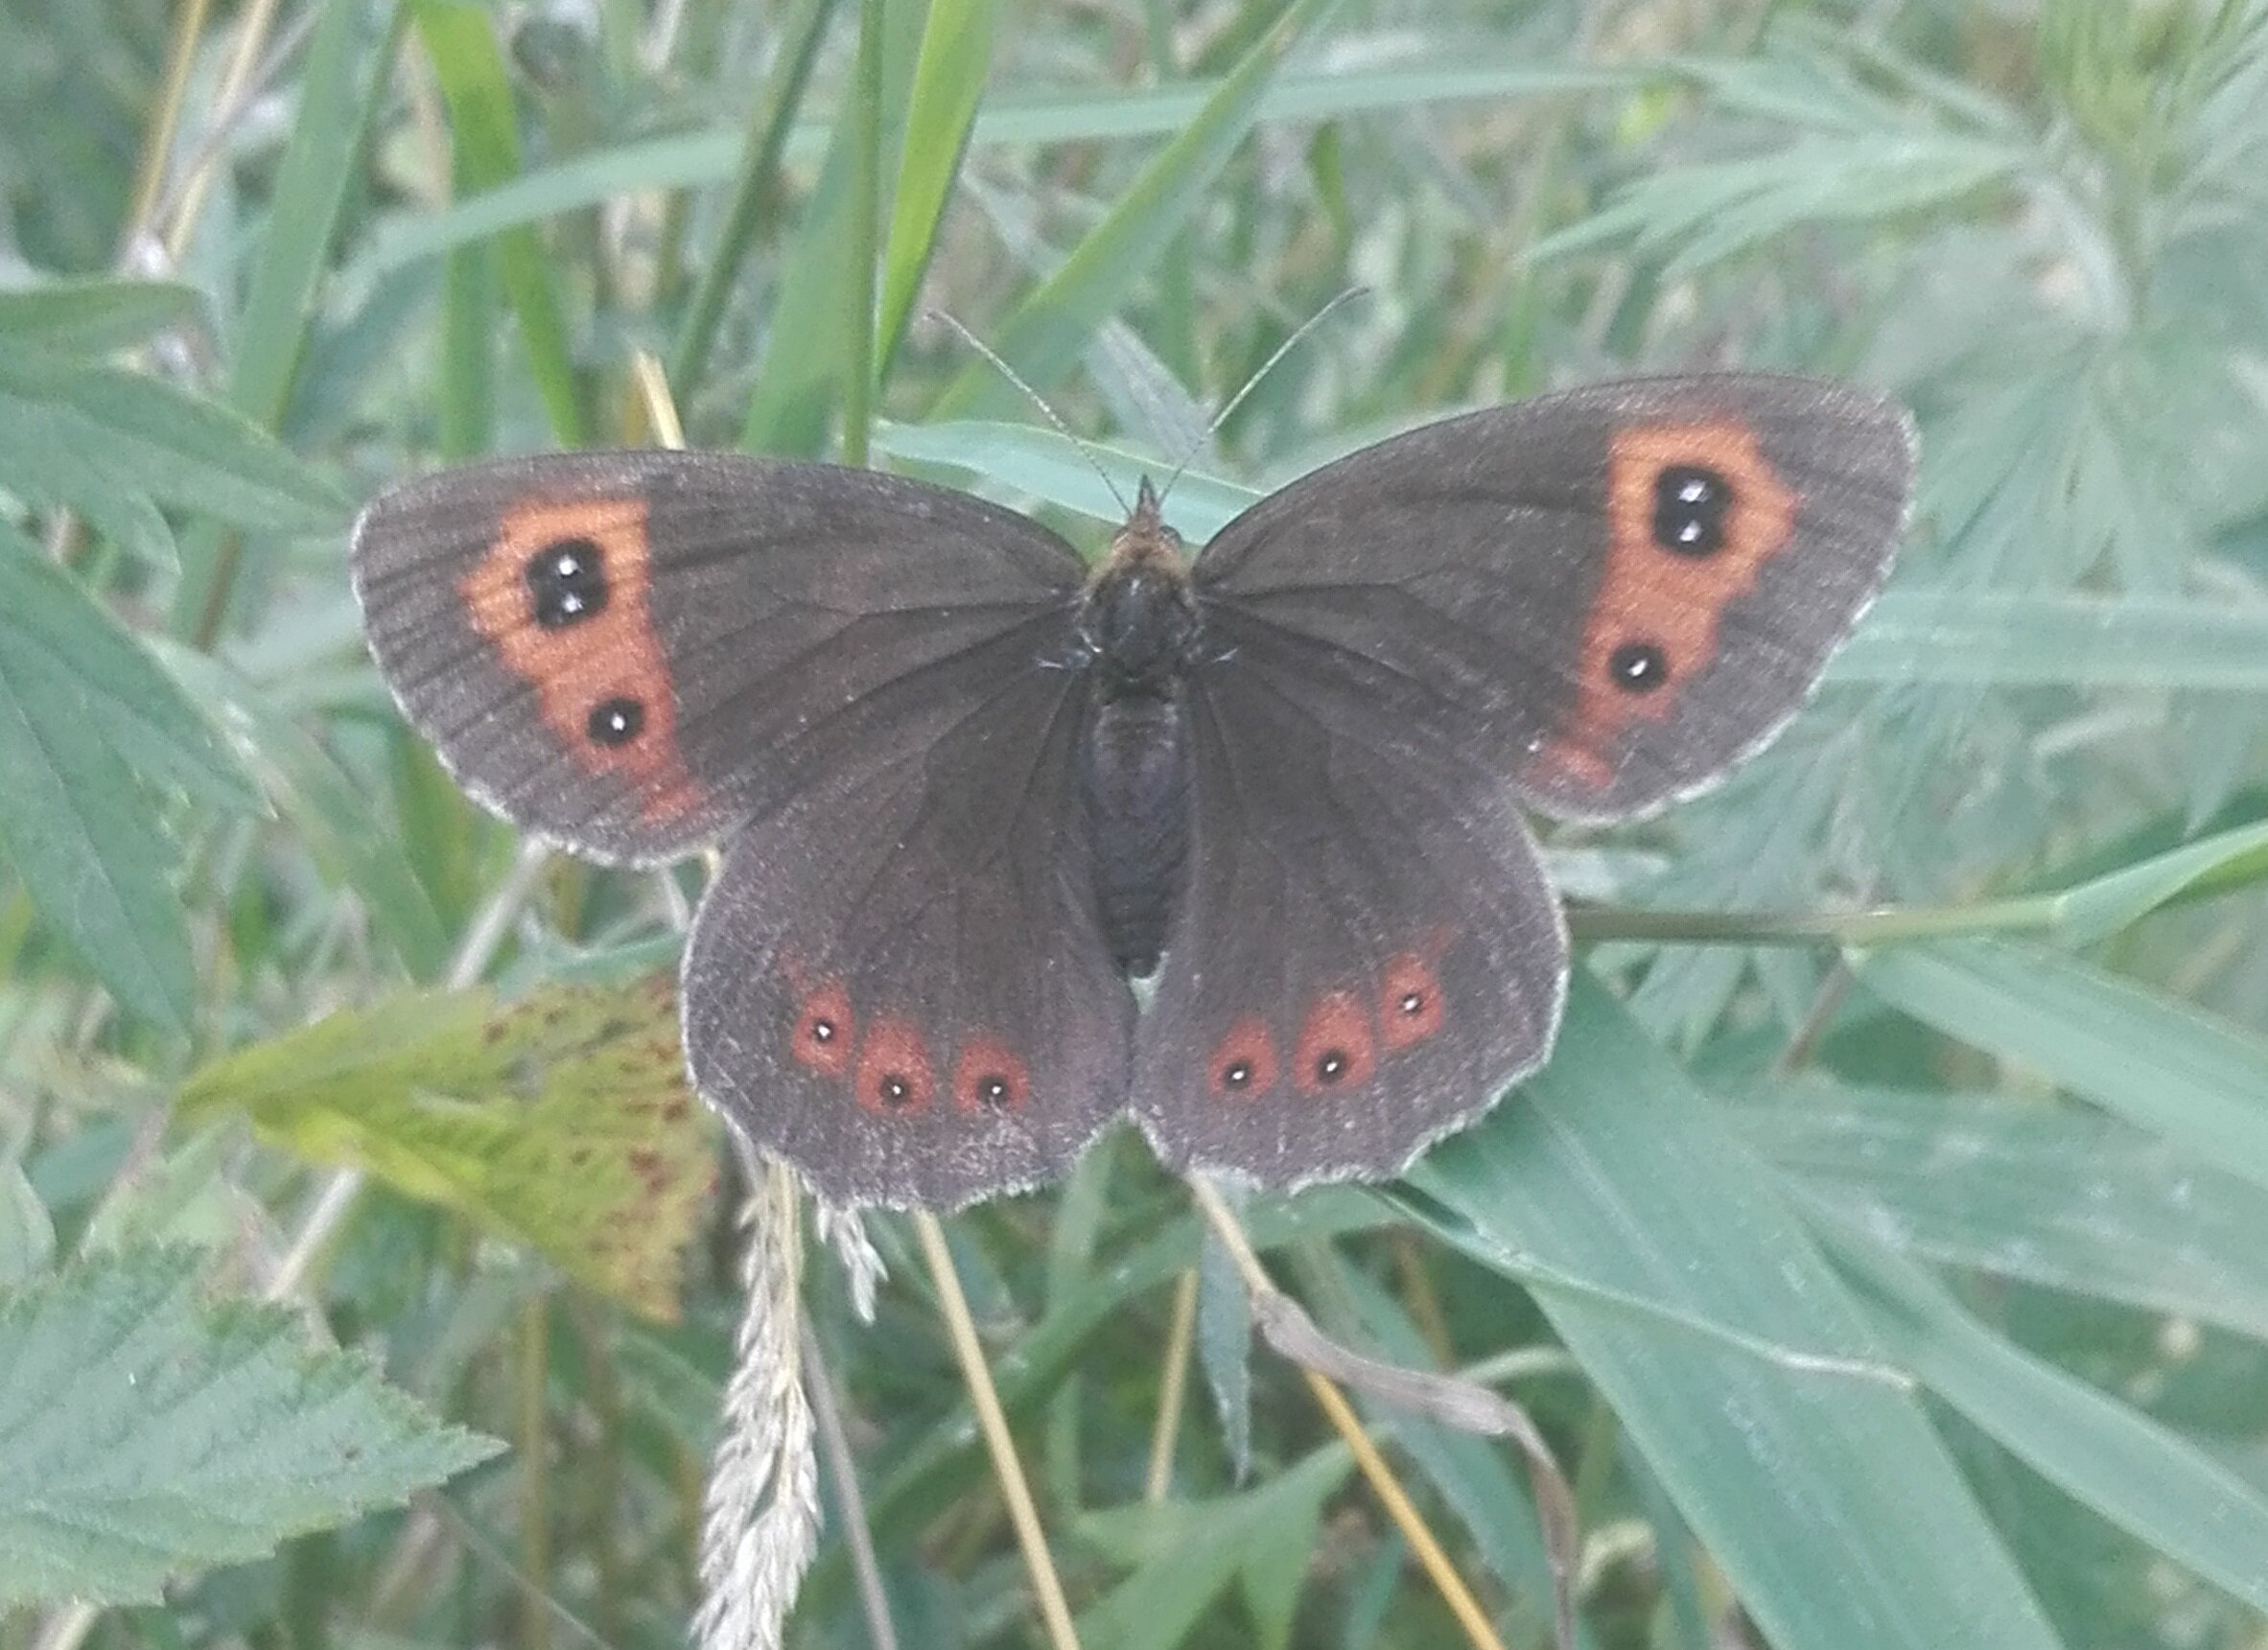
point(824, 1031)
point(1245, 1049)
point(1337, 1049)
point(578, 669)
point(984, 1062)
point(1410, 1006)
point(894, 1076)
point(1652, 596)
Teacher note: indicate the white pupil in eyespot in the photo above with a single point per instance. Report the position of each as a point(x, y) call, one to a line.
point(1412, 1002)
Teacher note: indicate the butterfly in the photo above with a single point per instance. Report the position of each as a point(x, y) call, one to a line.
point(970, 789)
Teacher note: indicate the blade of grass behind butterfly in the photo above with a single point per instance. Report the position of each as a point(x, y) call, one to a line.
point(459, 38)
point(760, 152)
point(1042, 336)
point(950, 77)
point(803, 365)
point(1612, 1165)
point(698, 159)
point(2145, 1477)
point(865, 228)
point(2151, 1058)
point(343, 79)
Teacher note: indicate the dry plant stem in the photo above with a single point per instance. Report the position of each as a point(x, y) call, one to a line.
point(158, 143)
point(234, 80)
point(1172, 1389)
point(835, 1444)
point(1382, 1483)
point(1013, 1484)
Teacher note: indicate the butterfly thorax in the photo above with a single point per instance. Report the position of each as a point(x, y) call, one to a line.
point(1137, 621)
point(1138, 632)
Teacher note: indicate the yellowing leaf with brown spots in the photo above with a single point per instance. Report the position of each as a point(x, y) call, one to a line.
point(562, 1121)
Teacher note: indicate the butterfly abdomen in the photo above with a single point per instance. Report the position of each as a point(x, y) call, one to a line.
point(1135, 774)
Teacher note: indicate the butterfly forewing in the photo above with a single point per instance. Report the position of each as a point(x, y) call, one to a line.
point(1612, 593)
point(635, 652)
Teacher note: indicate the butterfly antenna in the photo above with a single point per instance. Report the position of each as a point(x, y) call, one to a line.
point(1037, 399)
point(1253, 383)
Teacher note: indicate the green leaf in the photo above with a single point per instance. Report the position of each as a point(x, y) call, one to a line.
point(1190, 1551)
point(460, 37)
point(331, 817)
point(949, 85)
point(145, 1433)
point(2154, 1060)
point(93, 317)
point(562, 1121)
point(2048, 640)
point(49, 627)
point(1083, 114)
point(1611, 1167)
point(27, 1231)
point(345, 70)
point(2030, 1189)
point(79, 831)
point(1042, 464)
point(1043, 334)
point(114, 445)
point(2141, 1476)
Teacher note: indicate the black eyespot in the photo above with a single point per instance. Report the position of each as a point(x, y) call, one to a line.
point(567, 582)
point(1330, 1066)
point(616, 721)
point(894, 1089)
point(1237, 1074)
point(822, 1031)
point(1412, 1002)
point(1689, 506)
point(1638, 667)
point(993, 1090)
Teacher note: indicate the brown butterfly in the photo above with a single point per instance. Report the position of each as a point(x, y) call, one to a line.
point(969, 788)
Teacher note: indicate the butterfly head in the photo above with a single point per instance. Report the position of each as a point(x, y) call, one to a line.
point(1137, 620)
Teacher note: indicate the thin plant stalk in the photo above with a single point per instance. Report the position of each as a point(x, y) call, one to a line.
point(1054, 1609)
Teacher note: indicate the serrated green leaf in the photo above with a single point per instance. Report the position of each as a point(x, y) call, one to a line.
point(76, 827)
point(145, 1433)
point(562, 1121)
point(93, 317)
point(114, 445)
point(332, 818)
point(49, 626)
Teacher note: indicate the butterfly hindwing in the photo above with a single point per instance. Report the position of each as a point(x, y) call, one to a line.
point(898, 983)
point(635, 652)
point(1366, 950)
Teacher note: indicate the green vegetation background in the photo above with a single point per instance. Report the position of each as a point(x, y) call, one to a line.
point(1882, 1280)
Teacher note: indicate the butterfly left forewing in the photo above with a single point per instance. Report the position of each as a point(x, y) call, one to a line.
point(1366, 950)
point(634, 651)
